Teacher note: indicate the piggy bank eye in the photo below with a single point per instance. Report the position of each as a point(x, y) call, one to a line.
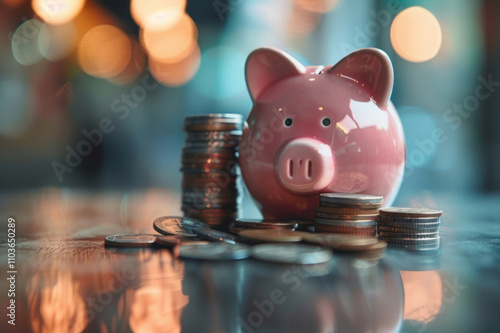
point(288, 122)
point(326, 122)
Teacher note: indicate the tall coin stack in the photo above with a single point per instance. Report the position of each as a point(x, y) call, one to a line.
point(415, 229)
point(348, 214)
point(210, 190)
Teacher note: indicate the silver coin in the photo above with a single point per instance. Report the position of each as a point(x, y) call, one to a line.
point(353, 217)
point(180, 226)
point(215, 251)
point(409, 225)
point(410, 212)
point(351, 198)
point(429, 240)
point(408, 235)
point(407, 230)
point(409, 219)
point(122, 240)
point(291, 254)
point(344, 223)
point(216, 235)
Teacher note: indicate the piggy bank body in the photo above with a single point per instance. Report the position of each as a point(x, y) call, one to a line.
point(319, 129)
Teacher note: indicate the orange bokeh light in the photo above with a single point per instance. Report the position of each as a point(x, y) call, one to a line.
point(318, 6)
point(144, 11)
point(57, 12)
point(172, 43)
point(416, 34)
point(104, 51)
point(134, 67)
point(176, 74)
point(423, 295)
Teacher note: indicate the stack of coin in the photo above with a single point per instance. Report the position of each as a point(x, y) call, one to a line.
point(210, 190)
point(251, 224)
point(348, 214)
point(415, 229)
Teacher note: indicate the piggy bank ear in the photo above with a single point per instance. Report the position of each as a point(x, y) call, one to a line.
point(371, 67)
point(266, 66)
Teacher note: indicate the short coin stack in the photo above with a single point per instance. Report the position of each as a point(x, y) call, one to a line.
point(415, 229)
point(210, 190)
point(348, 214)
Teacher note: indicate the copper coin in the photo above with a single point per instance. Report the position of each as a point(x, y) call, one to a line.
point(123, 240)
point(410, 212)
point(348, 243)
point(344, 223)
point(343, 210)
point(213, 136)
point(272, 235)
point(346, 217)
point(367, 231)
point(180, 226)
point(351, 198)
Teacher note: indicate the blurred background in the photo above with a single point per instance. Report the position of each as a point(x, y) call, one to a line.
point(123, 74)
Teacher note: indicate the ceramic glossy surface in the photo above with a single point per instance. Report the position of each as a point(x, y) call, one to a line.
point(319, 129)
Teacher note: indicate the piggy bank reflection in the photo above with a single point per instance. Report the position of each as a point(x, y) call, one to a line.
point(315, 129)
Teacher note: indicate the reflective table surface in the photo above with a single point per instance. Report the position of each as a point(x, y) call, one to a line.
point(67, 281)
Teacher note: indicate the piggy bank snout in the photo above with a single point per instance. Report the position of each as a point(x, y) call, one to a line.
point(305, 166)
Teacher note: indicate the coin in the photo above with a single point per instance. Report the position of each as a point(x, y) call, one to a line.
point(362, 231)
point(409, 225)
point(264, 224)
point(408, 235)
point(429, 240)
point(411, 229)
point(347, 210)
point(291, 254)
point(348, 242)
point(213, 122)
point(346, 217)
point(351, 198)
point(272, 235)
point(213, 136)
point(172, 240)
point(215, 251)
point(180, 226)
point(410, 212)
point(344, 223)
point(391, 219)
point(215, 235)
point(123, 240)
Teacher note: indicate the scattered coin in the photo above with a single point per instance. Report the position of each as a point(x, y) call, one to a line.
point(180, 226)
point(348, 243)
point(291, 254)
point(214, 251)
point(216, 235)
point(123, 240)
point(272, 235)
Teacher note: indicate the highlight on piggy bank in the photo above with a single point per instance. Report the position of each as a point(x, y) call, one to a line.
point(315, 129)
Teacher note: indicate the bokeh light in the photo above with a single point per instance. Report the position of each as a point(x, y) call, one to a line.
point(56, 42)
point(146, 11)
point(319, 6)
point(104, 51)
point(24, 43)
point(13, 3)
point(172, 43)
point(176, 74)
point(57, 12)
point(134, 67)
point(416, 34)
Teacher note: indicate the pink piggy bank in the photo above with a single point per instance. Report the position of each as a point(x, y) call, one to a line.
point(319, 129)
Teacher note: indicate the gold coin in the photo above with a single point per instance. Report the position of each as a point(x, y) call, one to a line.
point(273, 235)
